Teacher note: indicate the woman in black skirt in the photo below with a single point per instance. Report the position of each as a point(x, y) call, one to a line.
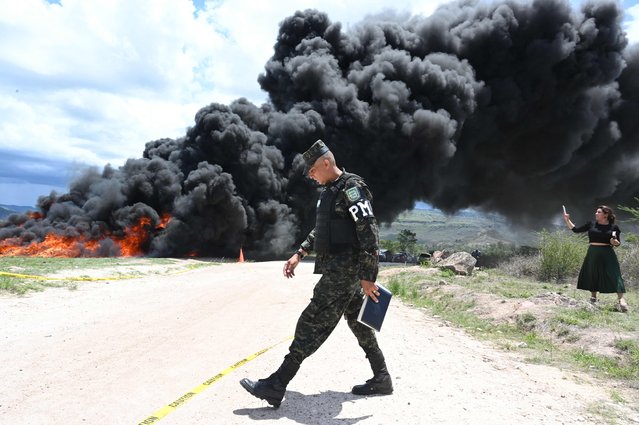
point(600, 271)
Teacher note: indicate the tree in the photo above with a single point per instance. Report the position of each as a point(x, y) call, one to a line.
point(407, 240)
point(392, 246)
point(633, 211)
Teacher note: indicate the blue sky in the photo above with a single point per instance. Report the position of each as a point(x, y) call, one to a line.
point(89, 82)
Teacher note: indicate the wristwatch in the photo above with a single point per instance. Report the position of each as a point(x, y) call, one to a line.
point(300, 253)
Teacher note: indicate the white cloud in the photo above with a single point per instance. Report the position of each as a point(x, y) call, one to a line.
point(93, 81)
point(252, 27)
point(631, 25)
point(132, 47)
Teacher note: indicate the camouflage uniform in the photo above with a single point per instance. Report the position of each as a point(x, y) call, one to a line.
point(338, 291)
point(346, 241)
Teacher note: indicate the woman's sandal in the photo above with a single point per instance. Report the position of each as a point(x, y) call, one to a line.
point(623, 305)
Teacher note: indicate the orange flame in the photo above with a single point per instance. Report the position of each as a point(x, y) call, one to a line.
point(164, 220)
point(54, 245)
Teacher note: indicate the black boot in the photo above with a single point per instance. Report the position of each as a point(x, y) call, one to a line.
point(381, 382)
point(272, 389)
point(269, 389)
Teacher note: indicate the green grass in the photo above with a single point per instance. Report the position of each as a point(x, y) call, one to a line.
point(614, 367)
point(582, 318)
point(495, 282)
point(442, 304)
point(629, 347)
point(604, 414)
point(549, 341)
point(616, 397)
point(502, 285)
point(604, 317)
point(40, 266)
point(458, 310)
point(21, 286)
point(45, 267)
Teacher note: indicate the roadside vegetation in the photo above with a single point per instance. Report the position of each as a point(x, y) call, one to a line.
point(527, 302)
point(20, 275)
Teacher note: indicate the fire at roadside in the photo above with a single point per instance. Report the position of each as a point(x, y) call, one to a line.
point(131, 242)
point(512, 107)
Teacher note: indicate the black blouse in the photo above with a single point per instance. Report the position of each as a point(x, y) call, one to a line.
point(599, 233)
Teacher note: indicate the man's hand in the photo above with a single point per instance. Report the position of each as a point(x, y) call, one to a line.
point(289, 266)
point(370, 289)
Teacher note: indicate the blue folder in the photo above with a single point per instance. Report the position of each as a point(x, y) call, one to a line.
point(372, 314)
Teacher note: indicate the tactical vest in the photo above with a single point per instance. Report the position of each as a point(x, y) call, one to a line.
point(333, 233)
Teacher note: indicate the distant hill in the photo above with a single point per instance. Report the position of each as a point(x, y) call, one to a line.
point(433, 228)
point(7, 210)
point(466, 229)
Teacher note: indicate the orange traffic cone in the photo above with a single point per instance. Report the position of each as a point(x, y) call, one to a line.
point(241, 259)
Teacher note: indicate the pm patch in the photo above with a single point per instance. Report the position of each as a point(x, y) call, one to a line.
point(361, 210)
point(352, 194)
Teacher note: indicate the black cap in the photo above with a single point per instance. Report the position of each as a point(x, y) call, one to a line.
point(313, 153)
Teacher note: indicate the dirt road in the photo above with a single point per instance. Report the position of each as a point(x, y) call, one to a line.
point(117, 352)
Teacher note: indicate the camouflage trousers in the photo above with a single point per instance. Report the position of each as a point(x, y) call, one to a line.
point(335, 294)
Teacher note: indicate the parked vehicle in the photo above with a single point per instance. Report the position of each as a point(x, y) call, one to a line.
point(384, 255)
point(399, 257)
point(423, 257)
point(403, 257)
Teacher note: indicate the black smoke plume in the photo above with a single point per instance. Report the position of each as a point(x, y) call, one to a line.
point(510, 107)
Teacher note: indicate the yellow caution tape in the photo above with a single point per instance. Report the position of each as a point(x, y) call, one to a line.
point(161, 413)
point(30, 276)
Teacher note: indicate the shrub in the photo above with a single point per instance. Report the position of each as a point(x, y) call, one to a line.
point(495, 254)
point(446, 273)
point(526, 322)
point(629, 262)
point(522, 266)
point(561, 254)
point(634, 212)
point(629, 255)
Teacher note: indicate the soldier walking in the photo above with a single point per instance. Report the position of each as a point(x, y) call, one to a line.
point(345, 239)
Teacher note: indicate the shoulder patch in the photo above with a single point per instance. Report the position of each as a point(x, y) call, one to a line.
point(352, 194)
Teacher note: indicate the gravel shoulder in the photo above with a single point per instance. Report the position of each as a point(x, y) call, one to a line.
point(115, 352)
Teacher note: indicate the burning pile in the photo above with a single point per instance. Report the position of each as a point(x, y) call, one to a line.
point(511, 107)
point(130, 244)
